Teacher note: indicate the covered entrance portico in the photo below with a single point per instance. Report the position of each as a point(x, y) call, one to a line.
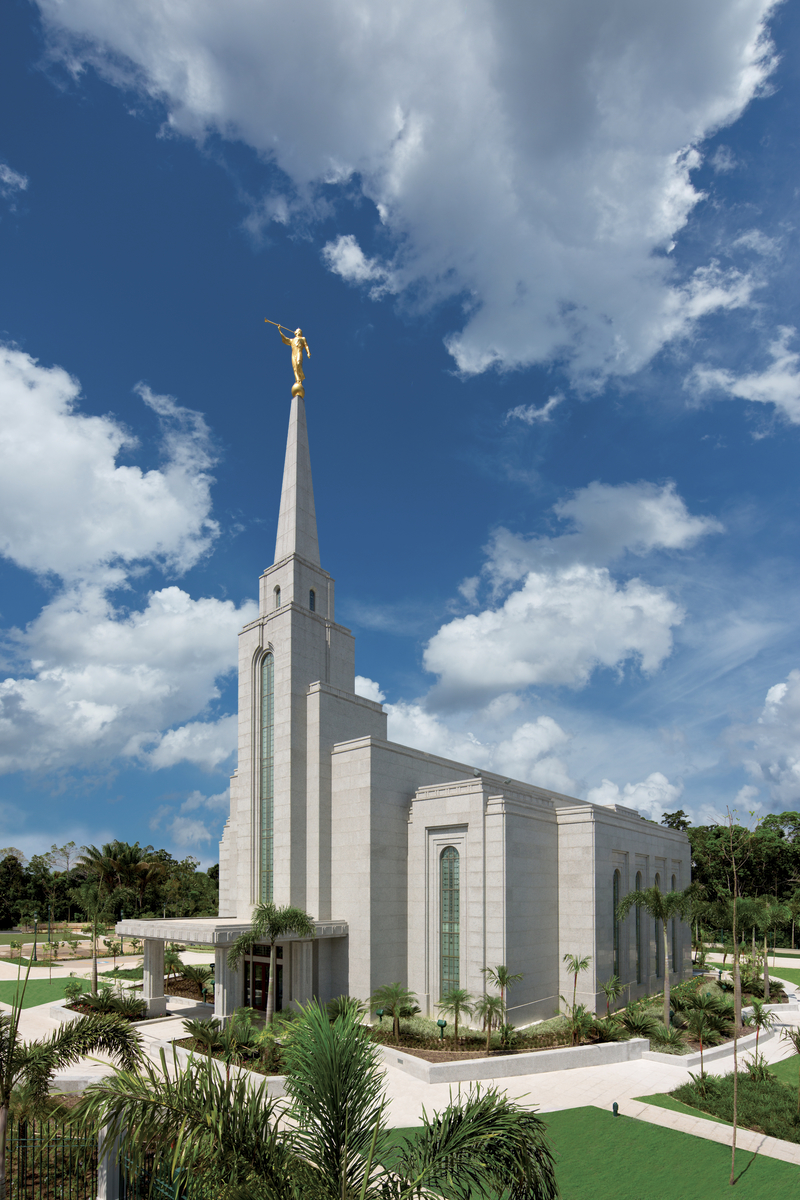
point(296, 974)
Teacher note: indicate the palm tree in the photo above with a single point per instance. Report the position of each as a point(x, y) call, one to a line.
point(611, 989)
point(574, 965)
point(456, 1002)
point(199, 976)
point(269, 924)
point(491, 1011)
point(88, 896)
point(662, 907)
point(392, 998)
point(33, 1064)
point(761, 1018)
point(502, 980)
point(332, 1142)
point(770, 915)
point(701, 1025)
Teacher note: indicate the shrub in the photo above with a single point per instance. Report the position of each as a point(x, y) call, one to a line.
point(343, 1004)
point(638, 1022)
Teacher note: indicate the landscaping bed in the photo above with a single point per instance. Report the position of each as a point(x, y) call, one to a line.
point(765, 1105)
point(256, 1065)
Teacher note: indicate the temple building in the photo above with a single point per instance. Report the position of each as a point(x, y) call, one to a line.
point(414, 868)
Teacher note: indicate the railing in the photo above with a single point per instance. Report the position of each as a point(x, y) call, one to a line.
point(143, 1184)
point(47, 1160)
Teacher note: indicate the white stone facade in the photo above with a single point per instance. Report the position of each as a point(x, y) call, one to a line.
point(358, 826)
point(360, 823)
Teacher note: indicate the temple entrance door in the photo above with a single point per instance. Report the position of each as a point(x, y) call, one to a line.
point(258, 1000)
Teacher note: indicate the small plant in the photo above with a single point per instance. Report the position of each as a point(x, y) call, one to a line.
point(638, 1022)
point(757, 1068)
point(343, 1004)
point(392, 998)
point(575, 965)
point(73, 989)
point(490, 1011)
point(669, 1039)
point(457, 1001)
point(612, 989)
point(607, 1029)
point(199, 976)
point(205, 1033)
point(579, 1021)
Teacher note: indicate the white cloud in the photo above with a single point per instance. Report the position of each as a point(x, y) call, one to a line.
point(778, 384)
point(534, 162)
point(569, 616)
point(187, 831)
point(771, 746)
point(526, 753)
point(11, 182)
point(723, 160)
point(346, 258)
point(206, 743)
point(369, 689)
point(556, 629)
point(607, 522)
point(102, 682)
point(651, 798)
point(530, 414)
point(69, 506)
point(92, 679)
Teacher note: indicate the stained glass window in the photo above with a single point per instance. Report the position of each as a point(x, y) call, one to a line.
point(450, 920)
point(266, 776)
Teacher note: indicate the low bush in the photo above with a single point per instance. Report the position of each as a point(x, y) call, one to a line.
point(765, 1105)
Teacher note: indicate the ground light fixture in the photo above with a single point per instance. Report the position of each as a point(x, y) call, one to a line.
point(379, 1014)
point(441, 1023)
point(615, 1109)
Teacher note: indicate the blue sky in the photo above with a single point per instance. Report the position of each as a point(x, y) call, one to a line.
point(546, 262)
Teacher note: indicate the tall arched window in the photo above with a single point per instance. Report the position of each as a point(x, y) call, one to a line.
point(617, 886)
point(312, 600)
point(266, 782)
point(277, 597)
point(450, 920)
point(659, 939)
point(674, 932)
point(638, 931)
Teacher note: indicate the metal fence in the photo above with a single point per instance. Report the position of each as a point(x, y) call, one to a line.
point(47, 1160)
point(145, 1184)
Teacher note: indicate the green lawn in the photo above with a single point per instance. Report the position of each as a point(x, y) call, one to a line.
point(602, 1157)
point(38, 991)
point(791, 974)
point(664, 1100)
point(787, 1070)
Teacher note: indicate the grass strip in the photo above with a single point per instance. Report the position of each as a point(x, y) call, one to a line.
point(38, 991)
point(602, 1157)
point(664, 1100)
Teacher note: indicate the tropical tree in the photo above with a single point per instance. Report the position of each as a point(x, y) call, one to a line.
point(33, 1064)
point(456, 1002)
point(575, 965)
point(501, 978)
point(490, 1011)
point(89, 897)
point(172, 963)
point(761, 1018)
point(662, 907)
point(702, 1025)
point(392, 999)
point(793, 1035)
point(611, 989)
point(269, 924)
point(770, 916)
point(329, 1141)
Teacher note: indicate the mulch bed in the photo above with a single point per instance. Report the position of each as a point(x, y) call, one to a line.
point(258, 1068)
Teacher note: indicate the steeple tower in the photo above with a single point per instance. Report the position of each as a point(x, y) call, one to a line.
point(297, 521)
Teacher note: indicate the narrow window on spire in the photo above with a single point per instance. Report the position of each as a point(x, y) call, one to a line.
point(312, 600)
point(450, 920)
point(277, 597)
point(266, 777)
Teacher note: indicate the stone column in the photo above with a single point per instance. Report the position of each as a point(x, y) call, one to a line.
point(153, 990)
point(227, 985)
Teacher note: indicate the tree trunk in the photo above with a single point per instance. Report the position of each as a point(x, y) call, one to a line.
point(766, 969)
point(666, 976)
point(252, 980)
point(3, 1136)
point(271, 985)
point(94, 953)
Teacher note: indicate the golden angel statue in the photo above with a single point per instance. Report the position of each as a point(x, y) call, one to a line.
point(298, 344)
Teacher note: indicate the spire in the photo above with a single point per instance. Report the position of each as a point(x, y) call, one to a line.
point(297, 521)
